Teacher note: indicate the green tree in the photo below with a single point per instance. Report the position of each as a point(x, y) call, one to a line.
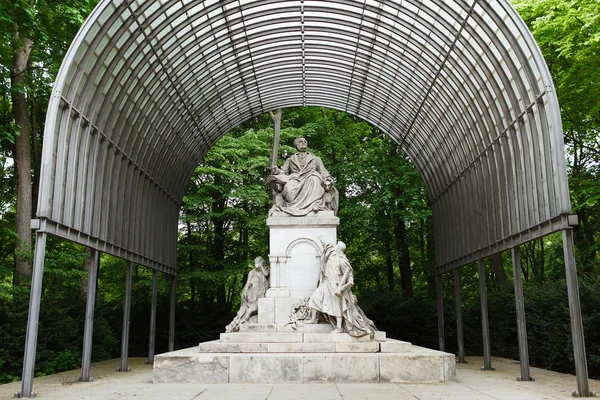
point(34, 37)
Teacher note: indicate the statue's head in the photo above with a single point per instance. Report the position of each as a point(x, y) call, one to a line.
point(341, 246)
point(300, 143)
point(259, 261)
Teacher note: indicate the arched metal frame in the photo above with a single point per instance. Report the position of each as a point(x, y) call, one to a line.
point(148, 87)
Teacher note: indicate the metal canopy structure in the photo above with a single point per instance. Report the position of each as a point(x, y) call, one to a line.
point(148, 87)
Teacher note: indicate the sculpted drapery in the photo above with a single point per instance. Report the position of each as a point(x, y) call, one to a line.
point(303, 184)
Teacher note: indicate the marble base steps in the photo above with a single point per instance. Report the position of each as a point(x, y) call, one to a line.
point(418, 365)
point(389, 346)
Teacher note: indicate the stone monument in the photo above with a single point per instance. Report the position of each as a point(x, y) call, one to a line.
point(305, 204)
point(309, 326)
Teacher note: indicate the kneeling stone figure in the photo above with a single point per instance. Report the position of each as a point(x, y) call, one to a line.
point(255, 288)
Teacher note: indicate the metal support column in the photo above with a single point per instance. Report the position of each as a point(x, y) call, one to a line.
point(521, 324)
point(172, 314)
point(459, 323)
point(88, 331)
point(34, 316)
point(152, 340)
point(583, 389)
point(126, 319)
point(440, 311)
point(485, 325)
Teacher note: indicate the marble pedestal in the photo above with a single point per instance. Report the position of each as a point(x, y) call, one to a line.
point(271, 351)
point(295, 251)
point(277, 353)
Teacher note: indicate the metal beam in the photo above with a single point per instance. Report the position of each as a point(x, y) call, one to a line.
point(173, 303)
point(485, 325)
point(459, 322)
point(152, 339)
point(33, 317)
point(546, 228)
point(583, 388)
point(88, 330)
point(521, 324)
point(440, 312)
point(126, 319)
point(56, 229)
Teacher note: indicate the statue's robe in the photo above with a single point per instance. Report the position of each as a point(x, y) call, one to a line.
point(303, 175)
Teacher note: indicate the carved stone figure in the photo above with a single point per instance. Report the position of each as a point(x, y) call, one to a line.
point(333, 297)
point(304, 183)
point(255, 288)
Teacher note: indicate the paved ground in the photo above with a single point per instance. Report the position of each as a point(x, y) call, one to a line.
point(472, 384)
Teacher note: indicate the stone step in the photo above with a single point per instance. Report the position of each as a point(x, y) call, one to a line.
point(394, 346)
point(306, 328)
point(261, 337)
point(298, 337)
point(418, 366)
point(217, 347)
point(313, 328)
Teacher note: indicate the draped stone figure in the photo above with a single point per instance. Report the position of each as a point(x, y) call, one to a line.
point(255, 288)
point(303, 184)
point(334, 299)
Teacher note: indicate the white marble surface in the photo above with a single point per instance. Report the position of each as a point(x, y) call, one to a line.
point(363, 368)
point(266, 311)
point(394, 346)
point(266, 368)
point(411, 368)
point(360, 347)
point(196, 368)
point(295, 251)
point(267, 337)
point(215, 346)
point(301, 347)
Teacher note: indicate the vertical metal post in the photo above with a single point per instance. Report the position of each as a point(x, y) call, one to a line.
point(88, 331)
point(440, 311)
point(172, 313)
point(33, 316)
point(459, 323)
point(126, 318)
point(521, 324)
point(583, 389)
point(152, 341)
point(485, 325)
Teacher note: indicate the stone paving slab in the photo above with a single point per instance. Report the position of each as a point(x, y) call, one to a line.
point(472, 384)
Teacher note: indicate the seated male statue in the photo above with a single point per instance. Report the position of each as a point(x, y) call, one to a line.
point(303, 184)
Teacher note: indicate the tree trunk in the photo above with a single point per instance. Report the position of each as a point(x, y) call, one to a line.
point(22, 159)
point(389, 262)
point(35, 146)
point(542, 261)
point(499, 272)
point(429, 256)
point(403, 257)
point(219, 230)
point(191, 261)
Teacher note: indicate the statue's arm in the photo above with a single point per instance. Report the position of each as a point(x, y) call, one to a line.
point(349, 283)
point(265, 268)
